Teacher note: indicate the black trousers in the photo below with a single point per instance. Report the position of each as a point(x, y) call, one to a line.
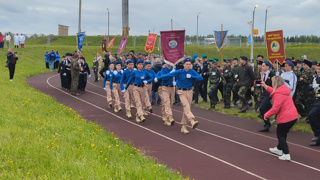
point(12, 68)
point(282, 131)
point(204, 89)
point(102, 71)
point(197, 86)
point(82, 82)
point(265, 106)
point(314, 119)
point(67, 79)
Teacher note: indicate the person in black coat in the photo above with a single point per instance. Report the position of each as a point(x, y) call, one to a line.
point(106, 61)
point(314, 114)
point(84, 73)
point(12, 60)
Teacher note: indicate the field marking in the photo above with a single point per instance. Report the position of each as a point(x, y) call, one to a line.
point(159, 134)
point(230, 140)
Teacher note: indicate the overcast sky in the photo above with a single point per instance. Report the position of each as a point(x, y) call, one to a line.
point(295, 17)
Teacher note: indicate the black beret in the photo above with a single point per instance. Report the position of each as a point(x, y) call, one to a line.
point(314, 62)
point(244, 58)
point(260, 56)
point(307, 62)
point(298, 61)
point(318, 64)
point(259, 62)
point(82, 58)
point(68, 54)
point(235, 58)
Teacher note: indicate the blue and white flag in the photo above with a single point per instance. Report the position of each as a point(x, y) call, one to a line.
point(221, 38)
point(80, 39)
point(249, 39)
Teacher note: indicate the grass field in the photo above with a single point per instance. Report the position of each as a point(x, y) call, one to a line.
point(42, 139)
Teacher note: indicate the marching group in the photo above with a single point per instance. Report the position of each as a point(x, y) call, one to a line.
point(285, 90)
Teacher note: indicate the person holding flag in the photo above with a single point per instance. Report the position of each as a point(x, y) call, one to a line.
point(185, 79)
point(115, 77)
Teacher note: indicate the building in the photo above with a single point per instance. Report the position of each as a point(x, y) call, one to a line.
point(63, 30)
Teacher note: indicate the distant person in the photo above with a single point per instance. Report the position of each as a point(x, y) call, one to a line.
point(1, 40)
point(287, 113)
point(46, 59)
point(51, 58)
point(95, 68)
point(8, 40)
point(57, 60)
point(12, 60)
point(75, 72)
point(84, 74)
point(22, 39)
point(16, 40)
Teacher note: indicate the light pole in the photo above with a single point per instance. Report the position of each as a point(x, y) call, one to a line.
point(79, 23)
point(198, 28)
point(252, 27)
point(108, 24)
point(265, 26)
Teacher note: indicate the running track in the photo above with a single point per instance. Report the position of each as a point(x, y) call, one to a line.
point(222, 147)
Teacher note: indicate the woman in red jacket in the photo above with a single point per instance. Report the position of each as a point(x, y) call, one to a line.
point(287, 113)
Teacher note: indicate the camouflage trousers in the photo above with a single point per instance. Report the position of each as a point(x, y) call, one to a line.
point(74, 83)
point(227, 93)
point(244, 94)
point(303, 103)
point(257, 97)
point(95, 74)
point(213, 93)
point(235, 90)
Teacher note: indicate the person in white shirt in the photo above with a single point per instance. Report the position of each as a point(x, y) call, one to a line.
point(289, 77)
point(8, 40)
point(16, 40)
point(22, 39)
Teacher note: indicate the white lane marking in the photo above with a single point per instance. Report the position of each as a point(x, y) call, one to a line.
point(166, 137)
point(230, 140)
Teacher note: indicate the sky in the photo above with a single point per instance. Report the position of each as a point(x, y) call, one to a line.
point(294, 17)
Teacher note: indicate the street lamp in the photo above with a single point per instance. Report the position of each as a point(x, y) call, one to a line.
point(265, 26)
point(108, 24)
point(198, 28)
point(252, 27)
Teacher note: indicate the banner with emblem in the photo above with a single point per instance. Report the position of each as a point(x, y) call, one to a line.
point(275, 46)
point(122, 45)
point(221, 38)
point(80, 39)
point(110, 44)
point(172, 43)
point(151, 40)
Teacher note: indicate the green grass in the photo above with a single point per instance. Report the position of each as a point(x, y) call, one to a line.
point(42, 139)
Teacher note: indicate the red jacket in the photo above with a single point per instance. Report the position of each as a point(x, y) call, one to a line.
point(283, 105)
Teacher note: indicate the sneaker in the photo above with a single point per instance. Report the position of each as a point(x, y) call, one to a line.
point(285, 157)
point(276, 151)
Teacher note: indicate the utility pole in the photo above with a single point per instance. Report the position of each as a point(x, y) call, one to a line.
point(265, 25)
point(125, 18)
point(171, 24)
point(79, 23)
point(198, 28)
point(108, 24)
point(251, 50)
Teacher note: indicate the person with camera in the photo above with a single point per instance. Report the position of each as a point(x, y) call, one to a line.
point(11, 60)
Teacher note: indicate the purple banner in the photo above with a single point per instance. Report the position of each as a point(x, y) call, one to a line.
point(172, 43)
point(122, 45)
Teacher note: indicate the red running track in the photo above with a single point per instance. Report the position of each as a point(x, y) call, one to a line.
point(222, 147)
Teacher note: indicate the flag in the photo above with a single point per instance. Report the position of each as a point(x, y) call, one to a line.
point(249, 39)
point(80, 39)
point(220, 40)
point(122, 45)
point(110, 44)
point(275, 46)
point(172, 43)
point(151, 40)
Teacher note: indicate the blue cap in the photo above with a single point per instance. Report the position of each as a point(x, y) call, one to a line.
point(147, 62)
point(195, 56)
point(111, 62)
point(139, 61)
point(129, 61)
point(118, 62)
point(163, 63)
point(187, 60)
point(290, 63)
point(267, 63)
point(115, 54)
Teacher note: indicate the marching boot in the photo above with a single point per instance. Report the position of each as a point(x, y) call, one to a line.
point(142, 118)
point(145, 113)
point(265, 128)
point(110, 105)
point(244, 109)
point(193, 123)
point(128, 114)
point(119, 108)
point(132, 106)
point(167, 122)
point(171, 120)
point(116, 109)
point(138, 119)
point(150, 109)
point(212, 105)
point(184, 129)
point(164, 119)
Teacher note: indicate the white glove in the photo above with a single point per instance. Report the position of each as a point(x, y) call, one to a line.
point(123, 91)
point(89, 76)
point(115, 72)
point(64, 74)
point(188, 75)
point(155, 80)
point(315, 85)
point(121, 71)
point(104, 88)
point(112, 90)
point(145, 82)
point(99, 67)
point(173, 70)
point(277, 73)
point(134, 68)
point(108, 72)
point(174, 83)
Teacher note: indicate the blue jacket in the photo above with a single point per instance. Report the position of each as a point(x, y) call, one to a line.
point(106, 77)
point(57, 57)
point(137, 77)
point(152, 74)
point(168, 81)
point(125, 77)
point(182, 80)
point(46, 57)
point(52, 56)
point(115, 77)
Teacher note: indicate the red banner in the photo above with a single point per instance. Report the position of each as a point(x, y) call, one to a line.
point(151, 40)
point(275, 46)
point(172, 43)
point(110, 44)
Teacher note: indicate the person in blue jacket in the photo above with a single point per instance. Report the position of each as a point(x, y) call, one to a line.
point(128, 95)
point(148, 86)
point(106, 83)
point(115, 77)
point(52, 57)
point(185, 78)
point(57, 60)
point(139, 78)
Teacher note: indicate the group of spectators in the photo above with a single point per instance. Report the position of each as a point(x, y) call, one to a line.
point(18, 40)
point(52, 59)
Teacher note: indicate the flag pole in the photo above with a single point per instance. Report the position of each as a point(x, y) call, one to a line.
point(221, 52)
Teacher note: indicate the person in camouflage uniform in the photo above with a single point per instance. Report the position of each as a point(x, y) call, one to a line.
point(95, 68)
point(256, 89)
point(305, 98)
point(227, 88)
point(235, 87)
point(214, 78)
point(75, 72)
